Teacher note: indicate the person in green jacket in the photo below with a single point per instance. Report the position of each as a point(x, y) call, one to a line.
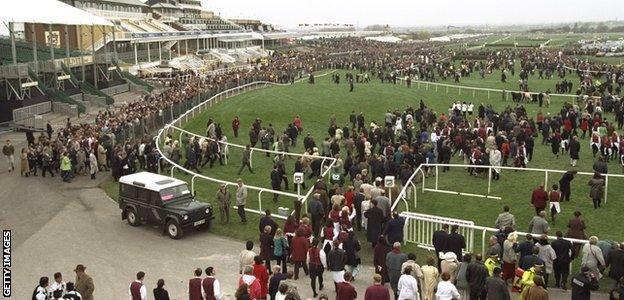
point(66, 167)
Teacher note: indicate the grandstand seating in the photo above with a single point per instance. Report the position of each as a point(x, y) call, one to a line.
point(25, 52)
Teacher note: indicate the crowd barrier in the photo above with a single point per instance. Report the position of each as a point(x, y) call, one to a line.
point(190, 113)
point(419, 228)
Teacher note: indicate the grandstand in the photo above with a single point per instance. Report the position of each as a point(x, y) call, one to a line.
point(74, 62)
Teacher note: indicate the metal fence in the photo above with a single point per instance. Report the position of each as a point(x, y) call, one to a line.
point(22, 113)
point(70, 110)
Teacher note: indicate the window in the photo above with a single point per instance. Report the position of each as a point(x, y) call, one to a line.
point(127, 191)
point(143, 195)
point(171, 193)
point(155, 198)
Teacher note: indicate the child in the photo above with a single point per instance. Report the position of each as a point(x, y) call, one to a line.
point(553, 197)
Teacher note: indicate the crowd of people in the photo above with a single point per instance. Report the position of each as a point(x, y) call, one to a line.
point(324, 238)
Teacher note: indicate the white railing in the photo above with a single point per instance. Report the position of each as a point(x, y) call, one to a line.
point(177, 123)
point(437, 85)
point(546, 173)
point(419, 229)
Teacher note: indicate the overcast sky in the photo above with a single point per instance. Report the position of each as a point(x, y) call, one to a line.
point(289, 13)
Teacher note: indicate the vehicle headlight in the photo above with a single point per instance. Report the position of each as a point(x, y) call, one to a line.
point(207, 210)
point(185, 217)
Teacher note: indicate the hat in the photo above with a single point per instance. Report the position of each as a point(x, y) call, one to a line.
point(80, 268)
point(449, 256)
point(239, 180)
point(584, 269)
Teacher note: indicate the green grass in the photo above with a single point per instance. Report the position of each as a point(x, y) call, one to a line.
point(316, 103)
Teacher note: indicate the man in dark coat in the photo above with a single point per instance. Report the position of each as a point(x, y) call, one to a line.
point(575, 148)
point(496, 287)
point(439, 242)
point(267, 220)
point(316, 211)
point(615, 260)
point(376, 219)
point(394, 229)
point(561, 264)
point(476, 275)
point(455, 242)
point(275, 280)
point(564, 184)
point(276, 181)
point(583, 284)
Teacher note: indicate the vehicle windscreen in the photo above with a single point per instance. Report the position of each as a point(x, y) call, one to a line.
point(175, 193)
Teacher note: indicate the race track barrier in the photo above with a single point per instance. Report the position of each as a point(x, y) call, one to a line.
point(177, 123)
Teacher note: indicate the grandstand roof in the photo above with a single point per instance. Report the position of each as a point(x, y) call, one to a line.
point(127, 2)
point(165, 5)
point(48, 12)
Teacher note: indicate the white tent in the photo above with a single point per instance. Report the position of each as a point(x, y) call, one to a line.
point(47, 12)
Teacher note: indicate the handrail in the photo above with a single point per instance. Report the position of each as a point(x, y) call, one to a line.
point(482, 89)
point(227, 93)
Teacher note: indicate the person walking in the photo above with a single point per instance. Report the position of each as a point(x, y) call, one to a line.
point(455, 243)
point(280, 249)
point(84, 283)
point(223, 199)
point(496, 287)
point(510, 256)
point(377, 291)
point(596, 189)
point(246, 160)
point(344, 289)
point(261, 273)
point(565, 185)
point(336, 259)
point(316, 212)
point(561, 265)
point(576, 230)
point(539, 224)
point(439, 241)
point(137, 289)
point(446, 290)
point(299, 250)
point(8, 150)
point(615, 263)
point(583, 283)
point(394, 262)
point(430, 279)
point(375, 219)
point(505, 219)
point(592, 257)
point(93, 164)
point(539, 197)
point(246, 256)
point(266, 246)
point(547, 255)
point(477, 274)
point(275, 281)
point(241, 200)
point(317, 263)
point(159, 291)
point(195, 286)
point(41, 291)
point(408, 286)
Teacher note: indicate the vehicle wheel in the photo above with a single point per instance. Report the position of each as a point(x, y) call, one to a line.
point(132, 217)
point(174, 230)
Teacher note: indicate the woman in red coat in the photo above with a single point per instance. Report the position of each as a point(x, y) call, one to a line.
point(261, 273)
point(299, 251)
